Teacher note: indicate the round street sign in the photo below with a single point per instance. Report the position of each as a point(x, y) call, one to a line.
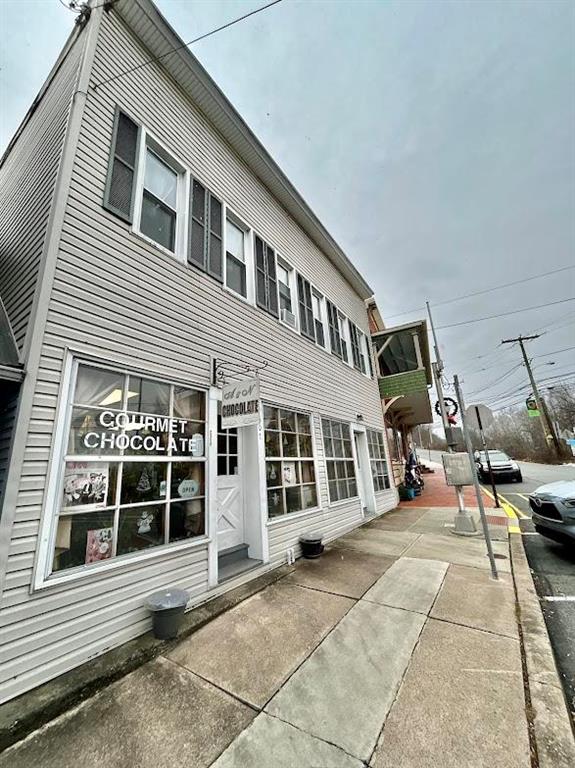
point(485, 414)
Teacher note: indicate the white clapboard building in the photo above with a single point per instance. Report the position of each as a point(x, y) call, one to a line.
point(153, 257)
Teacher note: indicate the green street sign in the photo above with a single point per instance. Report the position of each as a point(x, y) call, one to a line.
point(532, 409)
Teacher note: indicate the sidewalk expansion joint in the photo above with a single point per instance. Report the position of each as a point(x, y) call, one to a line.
point(313, 650)
point(235, 696)
point(320, 738)
point(477, 629)
point(327, 591)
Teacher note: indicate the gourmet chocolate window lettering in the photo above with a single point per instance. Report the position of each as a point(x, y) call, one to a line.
point(133, 472)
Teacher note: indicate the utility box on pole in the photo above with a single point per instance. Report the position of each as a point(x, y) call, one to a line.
point(457, 469)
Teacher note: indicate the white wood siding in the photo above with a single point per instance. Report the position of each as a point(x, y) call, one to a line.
point(117, 297)
point(27, 179)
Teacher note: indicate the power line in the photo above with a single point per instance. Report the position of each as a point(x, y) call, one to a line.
point(555, 352)
point(485, 290)
point(498, 381)
point(504, 314)
point(186, 45)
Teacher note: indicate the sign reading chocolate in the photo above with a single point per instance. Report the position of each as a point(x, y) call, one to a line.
point(137, 432)
point(241, 403)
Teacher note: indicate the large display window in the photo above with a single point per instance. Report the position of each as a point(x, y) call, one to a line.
point(290, 468)
point(133, 473)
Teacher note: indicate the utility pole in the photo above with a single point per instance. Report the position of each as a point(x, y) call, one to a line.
point(464, 524)
point(546, 423)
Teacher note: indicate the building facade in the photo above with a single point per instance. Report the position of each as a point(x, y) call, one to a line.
point(166, 256)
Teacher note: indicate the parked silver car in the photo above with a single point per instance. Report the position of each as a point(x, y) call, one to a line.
point(553, 508)
point(502, 466)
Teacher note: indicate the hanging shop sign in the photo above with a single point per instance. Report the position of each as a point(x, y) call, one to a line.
point(147, 434)
point(241, 403)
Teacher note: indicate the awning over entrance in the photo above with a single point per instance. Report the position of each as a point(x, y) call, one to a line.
point(404, 373)
point(10, 366)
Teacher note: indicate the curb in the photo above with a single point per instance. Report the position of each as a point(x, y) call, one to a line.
point(28, 712)
point(550, 724)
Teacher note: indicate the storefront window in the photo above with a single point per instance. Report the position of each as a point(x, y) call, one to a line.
point(290, 469)
point(376, 446)
point(133, 476)
point(341, 478)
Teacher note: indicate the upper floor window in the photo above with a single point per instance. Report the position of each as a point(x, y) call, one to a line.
point(342, 324)
point(286, 291)
point(317, 304)
point(236, 277)
point(159, 201)
point(306, 320)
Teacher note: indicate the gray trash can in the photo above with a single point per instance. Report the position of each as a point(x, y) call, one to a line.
point(167, 612)
point(311, 546)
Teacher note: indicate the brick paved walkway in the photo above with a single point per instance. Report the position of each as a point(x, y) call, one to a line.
point(437, 494)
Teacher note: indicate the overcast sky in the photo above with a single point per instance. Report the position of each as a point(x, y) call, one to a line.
point(435, 140)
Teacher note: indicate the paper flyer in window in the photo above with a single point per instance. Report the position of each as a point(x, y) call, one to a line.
point(86, 484)
point(99, 545)
point(289, 473)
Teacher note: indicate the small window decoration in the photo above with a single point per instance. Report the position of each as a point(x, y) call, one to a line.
point(133, 471)
point(290, 468)
point(341, 478)
point(377, 460)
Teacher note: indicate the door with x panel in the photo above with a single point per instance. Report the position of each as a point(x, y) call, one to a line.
point(230, 507)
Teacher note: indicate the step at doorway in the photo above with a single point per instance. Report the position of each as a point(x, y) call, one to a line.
point(233, 561)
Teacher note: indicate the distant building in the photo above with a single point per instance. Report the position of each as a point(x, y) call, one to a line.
point(152, 250)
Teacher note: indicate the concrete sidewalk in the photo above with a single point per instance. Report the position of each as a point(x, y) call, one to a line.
point(396, 648)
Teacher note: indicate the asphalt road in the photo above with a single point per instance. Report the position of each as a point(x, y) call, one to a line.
point(552, 565)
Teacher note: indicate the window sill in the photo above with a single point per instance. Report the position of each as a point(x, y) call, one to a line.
point(236, 295)
point(292, 516)
point(158, 247)
point(125, 562)
point(341, 502)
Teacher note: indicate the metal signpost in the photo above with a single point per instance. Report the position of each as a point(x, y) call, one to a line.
point(475, 480)
point(479, 416)
point(464, 524)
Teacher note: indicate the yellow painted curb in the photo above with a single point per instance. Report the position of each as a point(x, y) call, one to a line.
point(510, 509)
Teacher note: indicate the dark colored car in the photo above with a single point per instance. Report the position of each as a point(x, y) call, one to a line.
point(503, 467)
point(553, 507)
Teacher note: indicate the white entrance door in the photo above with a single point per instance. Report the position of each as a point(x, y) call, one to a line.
point(230, 507)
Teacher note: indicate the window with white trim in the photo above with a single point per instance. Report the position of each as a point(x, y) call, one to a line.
point(343, 335)
point(318, 321)
point(132, 474)
point(284, 286)
point(159, 206)
point(340, 466)
point(334, 330)
point(236, 270)
point(290, 468)
point(377, 459)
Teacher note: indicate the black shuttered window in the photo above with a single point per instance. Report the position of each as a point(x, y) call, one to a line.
point(266, 280)
point(121, 181)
